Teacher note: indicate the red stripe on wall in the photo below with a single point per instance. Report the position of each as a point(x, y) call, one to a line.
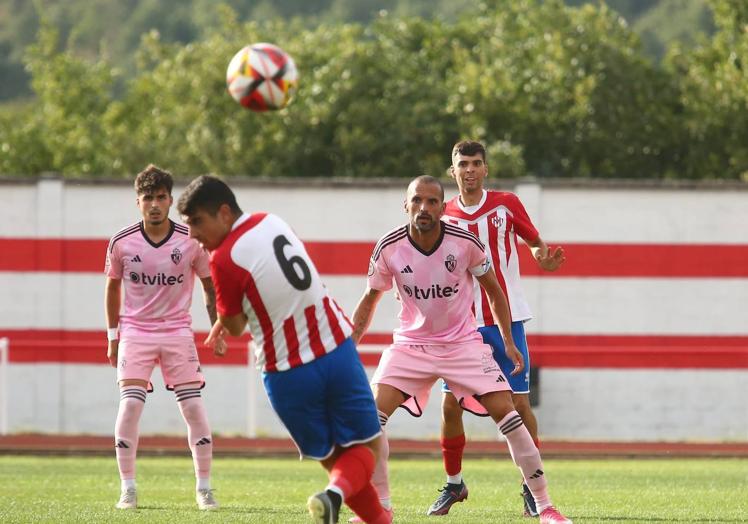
point(352, 258)
point(557, 351)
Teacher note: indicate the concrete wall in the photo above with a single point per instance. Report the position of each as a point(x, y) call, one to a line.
point(612, 304)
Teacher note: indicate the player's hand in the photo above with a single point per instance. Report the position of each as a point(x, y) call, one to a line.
point(220, 347)
point(552, 260)
point(217, 333)
point(112, 351)
point(515, 356)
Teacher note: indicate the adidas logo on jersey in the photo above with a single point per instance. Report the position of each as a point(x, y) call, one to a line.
point(136, 258)
point(406, 269)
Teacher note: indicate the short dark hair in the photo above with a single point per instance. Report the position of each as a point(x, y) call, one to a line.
point(428, 179)
point(207, 193)
point(469, 148)
point(153, 178)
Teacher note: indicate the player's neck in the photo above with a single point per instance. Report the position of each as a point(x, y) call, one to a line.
point(471, 198)
point(157, 232)
point(425, 240)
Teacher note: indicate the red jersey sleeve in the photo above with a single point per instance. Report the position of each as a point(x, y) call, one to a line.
point(230, 282)
point(522, 223)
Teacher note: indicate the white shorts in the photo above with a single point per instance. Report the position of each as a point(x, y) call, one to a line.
point(469, 369)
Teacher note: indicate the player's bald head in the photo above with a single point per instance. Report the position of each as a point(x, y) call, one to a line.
point(425, 180)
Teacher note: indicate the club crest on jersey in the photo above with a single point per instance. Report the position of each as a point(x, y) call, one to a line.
point(497, 221)
point(176, 256)
point(450, 263)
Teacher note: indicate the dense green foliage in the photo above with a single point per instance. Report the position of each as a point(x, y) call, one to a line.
point(552, 90)
point(80, 489)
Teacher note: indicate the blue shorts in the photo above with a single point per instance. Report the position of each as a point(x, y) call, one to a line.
point(492, 336)
point(326, 402)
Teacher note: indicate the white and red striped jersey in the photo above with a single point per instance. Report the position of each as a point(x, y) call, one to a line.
point(158, 279)
point(497, 220)
point(263, 270)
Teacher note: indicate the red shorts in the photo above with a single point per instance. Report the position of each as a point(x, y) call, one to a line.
point(177, 357)
point(469, 369)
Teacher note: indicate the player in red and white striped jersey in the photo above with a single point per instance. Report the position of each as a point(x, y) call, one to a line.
point(497, 218)
point(313, 376)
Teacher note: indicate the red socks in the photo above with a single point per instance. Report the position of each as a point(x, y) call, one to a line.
point(452, 449)
point(351, 474)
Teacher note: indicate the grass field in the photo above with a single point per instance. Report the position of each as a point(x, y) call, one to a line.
point(82, 489)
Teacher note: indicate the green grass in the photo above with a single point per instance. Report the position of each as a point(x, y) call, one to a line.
point(81, 489)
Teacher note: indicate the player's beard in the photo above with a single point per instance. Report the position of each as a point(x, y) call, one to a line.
point(424, 227)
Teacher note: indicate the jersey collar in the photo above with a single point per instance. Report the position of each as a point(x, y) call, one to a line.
point(436, 245)
point(472, 209)
point(165, 239)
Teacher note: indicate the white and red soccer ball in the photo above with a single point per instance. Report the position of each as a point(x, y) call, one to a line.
point(262, 77)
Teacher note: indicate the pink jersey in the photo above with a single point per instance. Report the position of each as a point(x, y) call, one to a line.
point(263, 270)
point(497, 220)
point(158, 279)
point(435, 288)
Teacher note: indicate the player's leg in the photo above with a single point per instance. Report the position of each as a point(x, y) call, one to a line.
point(522, 405)
point(453, 445)
point(387, 399)
point(520, 386)
point(405, 373)
point(131, 404)
point(525, 454)
point(350, 471)
point(181, 371)
point(356, 432)
point(135, 361)
point(199, 439)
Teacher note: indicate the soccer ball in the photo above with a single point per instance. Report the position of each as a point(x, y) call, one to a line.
point(262, 77)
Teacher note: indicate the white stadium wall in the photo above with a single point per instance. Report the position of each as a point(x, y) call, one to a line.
point(643, 335)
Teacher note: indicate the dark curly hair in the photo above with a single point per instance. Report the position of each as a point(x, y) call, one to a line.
point(153, 178)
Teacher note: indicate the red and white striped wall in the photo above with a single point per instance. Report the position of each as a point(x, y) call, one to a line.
point(642, 335)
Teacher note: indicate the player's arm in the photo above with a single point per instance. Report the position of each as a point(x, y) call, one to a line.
point(549, 260)
point(209, 295)
point(500, 310)
point(112, 302)
point(234, 325)
point(364, 312)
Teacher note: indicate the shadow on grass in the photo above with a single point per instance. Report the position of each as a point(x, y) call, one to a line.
point(598, 518)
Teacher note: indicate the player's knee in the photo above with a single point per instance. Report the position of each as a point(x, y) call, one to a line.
point(522, 405)
point(451, 409)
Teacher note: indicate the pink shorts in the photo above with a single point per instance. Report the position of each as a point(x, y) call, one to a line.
point(469, 369)
point(177, 357)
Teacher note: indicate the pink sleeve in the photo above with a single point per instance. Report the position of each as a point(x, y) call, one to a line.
point(380, 276)
point(522, 223)
point(201, 263)
point(229, 281)
point(113, 263)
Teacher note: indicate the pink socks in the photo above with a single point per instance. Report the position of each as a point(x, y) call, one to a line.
point(198, 431)
point(526, 457)
point(131, 403)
